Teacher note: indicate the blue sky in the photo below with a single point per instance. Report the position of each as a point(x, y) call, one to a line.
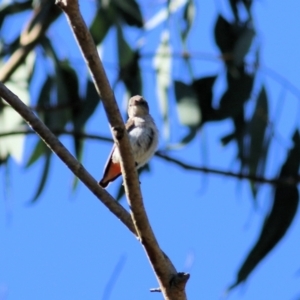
point(67, 246)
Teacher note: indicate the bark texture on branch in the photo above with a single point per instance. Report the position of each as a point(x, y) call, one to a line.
point(163, 268)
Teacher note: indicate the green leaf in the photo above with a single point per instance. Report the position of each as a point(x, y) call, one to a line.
point(278, 221)
point(104, 19)
point(235, 5)
point(65, 93)
point(86, 107)
point(224, 36)
point(44, 176)
point(233, 39)
point(239, 89)
point(131, 76)
point(239, 135)
point(130, 72)
point(45, 93)
point(257, 136)
point(67, 96)
point(130, 11)
point(9, 119)
point(82, 111)
point(162, 63)
point(125, 53)
point(9, 8)
point(203, 88)
point(187, 105)
point(39, 150)
point(242, 46)
point(188, 17)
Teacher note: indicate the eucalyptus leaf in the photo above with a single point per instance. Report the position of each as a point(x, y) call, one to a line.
point(40, 149)
point(203, 88)
point(242, 45)
point(130, 11)
point(104, 19)
point(278, 221)
point(125, 53)
point(187, 105)
point(9, 119)
point(87, 106)
point(257, 135)
point(238, 91)
point(43, 177)
point(162, 63)
point(188, 17)
point(8, 8)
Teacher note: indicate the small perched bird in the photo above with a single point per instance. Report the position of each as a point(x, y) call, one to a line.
point(143, 137)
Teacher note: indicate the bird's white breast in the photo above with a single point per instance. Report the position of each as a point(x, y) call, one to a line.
point(143, 139)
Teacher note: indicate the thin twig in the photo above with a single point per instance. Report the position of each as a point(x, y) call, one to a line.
point(273, 181)
point(160, 154)
point(46, 13)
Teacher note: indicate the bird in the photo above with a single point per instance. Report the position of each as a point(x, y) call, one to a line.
point(143, 137)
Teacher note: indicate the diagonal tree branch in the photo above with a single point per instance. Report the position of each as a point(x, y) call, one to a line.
point(164, 269)
point(40, 21)
point(172, 284)
point(58, 148)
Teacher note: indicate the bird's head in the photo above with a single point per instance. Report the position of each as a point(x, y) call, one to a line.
point(137, 107)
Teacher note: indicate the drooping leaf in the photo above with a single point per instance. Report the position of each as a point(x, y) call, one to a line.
point(86, 107)
point(130, 72)
point(188, 17)
point(238, 135)
point(43, 177)
point(224, 35)
point(238, 91)
point(130, 11)
point(64, 95)
point(187, 105)
point(276, 224)
point(9, 119)
point(163, 14)
point(67, 95)
point(257, 136)
point(45, 93)
point(235, 8)
point(125, 53)
point(203, 88)
point(131, 76)
point(234, 40)
point(9, 8)
point(39, 150)
point(84, 110)
point(242, 45)
point(162, 64)
point(103, 21)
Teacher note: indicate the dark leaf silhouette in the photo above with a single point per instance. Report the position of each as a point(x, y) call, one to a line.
point(187, 104)
point(238, 91)
point(259, 141)
point(130, 12)
point(44, 176)
point(104, 19)
point(278, 221)
point(203, 88)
